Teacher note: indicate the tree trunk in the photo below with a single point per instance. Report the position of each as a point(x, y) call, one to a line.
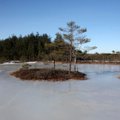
point(54, 64)
point(70, 59)
point(74, 62)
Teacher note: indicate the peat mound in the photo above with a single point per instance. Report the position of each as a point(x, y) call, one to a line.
point(48, 74)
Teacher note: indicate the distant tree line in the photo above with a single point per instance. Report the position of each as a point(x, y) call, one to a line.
point(40, 47)
point(100, 57)
point(33, 47)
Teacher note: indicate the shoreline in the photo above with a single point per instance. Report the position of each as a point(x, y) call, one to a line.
point(60, 62)
point(102, 63)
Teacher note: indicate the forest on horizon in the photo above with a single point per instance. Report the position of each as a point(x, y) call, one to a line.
point(36, 47)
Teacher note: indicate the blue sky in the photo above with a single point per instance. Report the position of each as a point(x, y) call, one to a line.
point(100, 17)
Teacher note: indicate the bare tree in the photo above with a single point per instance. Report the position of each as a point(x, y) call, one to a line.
point(74, 35)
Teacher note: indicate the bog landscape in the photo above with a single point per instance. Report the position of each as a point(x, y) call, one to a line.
point(56, 70)
point(38, 75)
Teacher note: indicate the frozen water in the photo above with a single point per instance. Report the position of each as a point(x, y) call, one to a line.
point(97, 98)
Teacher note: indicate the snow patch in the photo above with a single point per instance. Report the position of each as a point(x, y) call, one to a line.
point(31, 62)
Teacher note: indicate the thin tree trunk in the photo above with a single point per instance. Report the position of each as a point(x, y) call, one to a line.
point(54, 64)
point(70, 59)
point(74, 62)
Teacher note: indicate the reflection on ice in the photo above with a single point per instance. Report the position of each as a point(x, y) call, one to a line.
point(94, 99)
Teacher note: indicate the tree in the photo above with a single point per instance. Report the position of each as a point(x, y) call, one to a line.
point(73, 34)
point(57, 49)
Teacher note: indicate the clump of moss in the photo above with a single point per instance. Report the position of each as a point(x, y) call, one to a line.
point(48, 74)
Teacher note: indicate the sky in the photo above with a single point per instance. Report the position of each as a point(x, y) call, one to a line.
point(100, 17)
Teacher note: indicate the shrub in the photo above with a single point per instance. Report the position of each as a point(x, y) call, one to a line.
point(26, 66)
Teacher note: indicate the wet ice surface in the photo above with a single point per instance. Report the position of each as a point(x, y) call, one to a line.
point(95, 99)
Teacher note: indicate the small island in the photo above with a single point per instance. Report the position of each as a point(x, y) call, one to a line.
point(48, 74)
